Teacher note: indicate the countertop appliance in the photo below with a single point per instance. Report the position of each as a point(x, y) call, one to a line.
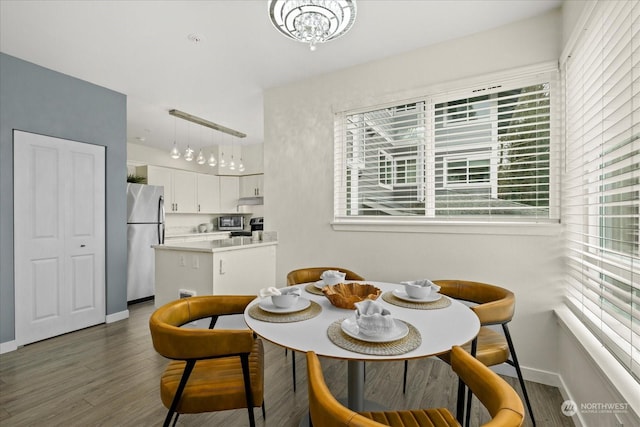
point(145, 227)
point(231, 223)
point(257, 223)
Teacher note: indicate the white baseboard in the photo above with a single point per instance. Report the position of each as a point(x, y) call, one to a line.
point(115, 317)
point(529, 374)
point(6, 347)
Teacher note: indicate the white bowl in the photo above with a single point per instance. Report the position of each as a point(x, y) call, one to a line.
point(284, 301)
point(331, 277)
point(418, 292)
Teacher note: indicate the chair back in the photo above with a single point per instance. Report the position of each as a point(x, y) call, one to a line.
point(312, 274)
point(496, 305)
point(174, 342)
point(324, 409)
point(500, 399)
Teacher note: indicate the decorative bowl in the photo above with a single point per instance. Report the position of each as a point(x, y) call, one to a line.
point(345, 295)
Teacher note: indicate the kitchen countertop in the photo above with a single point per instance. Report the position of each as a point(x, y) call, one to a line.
point(194, 234)
point(230, 244)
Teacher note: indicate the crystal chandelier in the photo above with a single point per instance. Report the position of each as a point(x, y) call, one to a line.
point(312, 21)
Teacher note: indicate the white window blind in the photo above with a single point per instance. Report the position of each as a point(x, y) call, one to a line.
point(484, 153)
point(602, 180)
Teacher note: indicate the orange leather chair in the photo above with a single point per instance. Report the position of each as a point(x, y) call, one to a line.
point(306, 275)
point(502, 402)
point(211, 370)
point(495, 306)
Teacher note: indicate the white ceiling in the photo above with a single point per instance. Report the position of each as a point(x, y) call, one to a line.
point(142, 49)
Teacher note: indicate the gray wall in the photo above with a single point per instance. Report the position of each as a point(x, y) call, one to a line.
point(38, 100)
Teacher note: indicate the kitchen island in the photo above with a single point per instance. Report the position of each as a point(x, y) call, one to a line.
point(233, 266)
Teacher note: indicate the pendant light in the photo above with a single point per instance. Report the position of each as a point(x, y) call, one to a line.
point(175, 153)
point(212, 159)
point(241, 165)
point(232, 164)
point(200, 159)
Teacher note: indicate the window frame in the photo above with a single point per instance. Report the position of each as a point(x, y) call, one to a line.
point(515, 79)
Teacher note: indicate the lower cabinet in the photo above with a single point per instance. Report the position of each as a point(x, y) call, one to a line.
point(242, 271)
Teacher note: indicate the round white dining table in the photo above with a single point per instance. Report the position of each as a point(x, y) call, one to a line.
point(440, 329)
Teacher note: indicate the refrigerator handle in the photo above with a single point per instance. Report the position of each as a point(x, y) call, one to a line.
point(161, 220)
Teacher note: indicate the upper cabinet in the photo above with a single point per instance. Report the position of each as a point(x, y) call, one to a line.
point(190, 192)
point(252, 185)
point(208, 193)
point(229, 190)
point(179, 187)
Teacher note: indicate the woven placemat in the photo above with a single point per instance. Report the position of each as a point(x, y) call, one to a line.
point(393, 348)
point(312, 289)
point(308, 313)
point(392, 299)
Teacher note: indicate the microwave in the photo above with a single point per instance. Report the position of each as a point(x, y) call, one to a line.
point(231, 223)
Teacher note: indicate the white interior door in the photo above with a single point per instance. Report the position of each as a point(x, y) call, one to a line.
point(59, 236)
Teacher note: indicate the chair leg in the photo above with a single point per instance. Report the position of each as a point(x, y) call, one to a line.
point(293, 367)
point(175, 420)
point(516, 365)
point(264, 413)
point(460, 401)
point(244, 360)
point(176, 399)
point(404, 377)
point(467, 418)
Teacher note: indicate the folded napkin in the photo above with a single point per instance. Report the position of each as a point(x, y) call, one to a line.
point(271, 291)
point(267, 292)
point(290, 291)
point(332, 274)
point(423, 283)
point(369, 307)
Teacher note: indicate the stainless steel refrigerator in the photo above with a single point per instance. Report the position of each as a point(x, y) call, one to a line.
point(145, 227)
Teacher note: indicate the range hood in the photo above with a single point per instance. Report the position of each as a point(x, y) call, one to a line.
point(246, 201)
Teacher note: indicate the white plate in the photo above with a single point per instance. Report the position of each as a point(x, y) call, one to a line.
point(403, 296)
point(350, 327)
point(319, 284)
point(267, 305)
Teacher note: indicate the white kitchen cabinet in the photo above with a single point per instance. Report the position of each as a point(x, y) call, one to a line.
point(208, 193)
point(252, 185)
point(184, 191)
point(213, 268)
point(179, 187)
point(244, 272)
point(229, 192)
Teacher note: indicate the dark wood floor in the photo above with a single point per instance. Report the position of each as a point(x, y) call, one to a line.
point(108, 375)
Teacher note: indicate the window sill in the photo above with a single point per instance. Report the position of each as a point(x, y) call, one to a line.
point(619, 378)
point(542, 228)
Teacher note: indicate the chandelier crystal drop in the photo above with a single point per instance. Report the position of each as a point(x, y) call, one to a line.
point(312, 21)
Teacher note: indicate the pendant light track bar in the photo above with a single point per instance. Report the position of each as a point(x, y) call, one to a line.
point(207, 123)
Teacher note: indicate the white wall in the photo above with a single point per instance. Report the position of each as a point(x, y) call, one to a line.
point(299, 181)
